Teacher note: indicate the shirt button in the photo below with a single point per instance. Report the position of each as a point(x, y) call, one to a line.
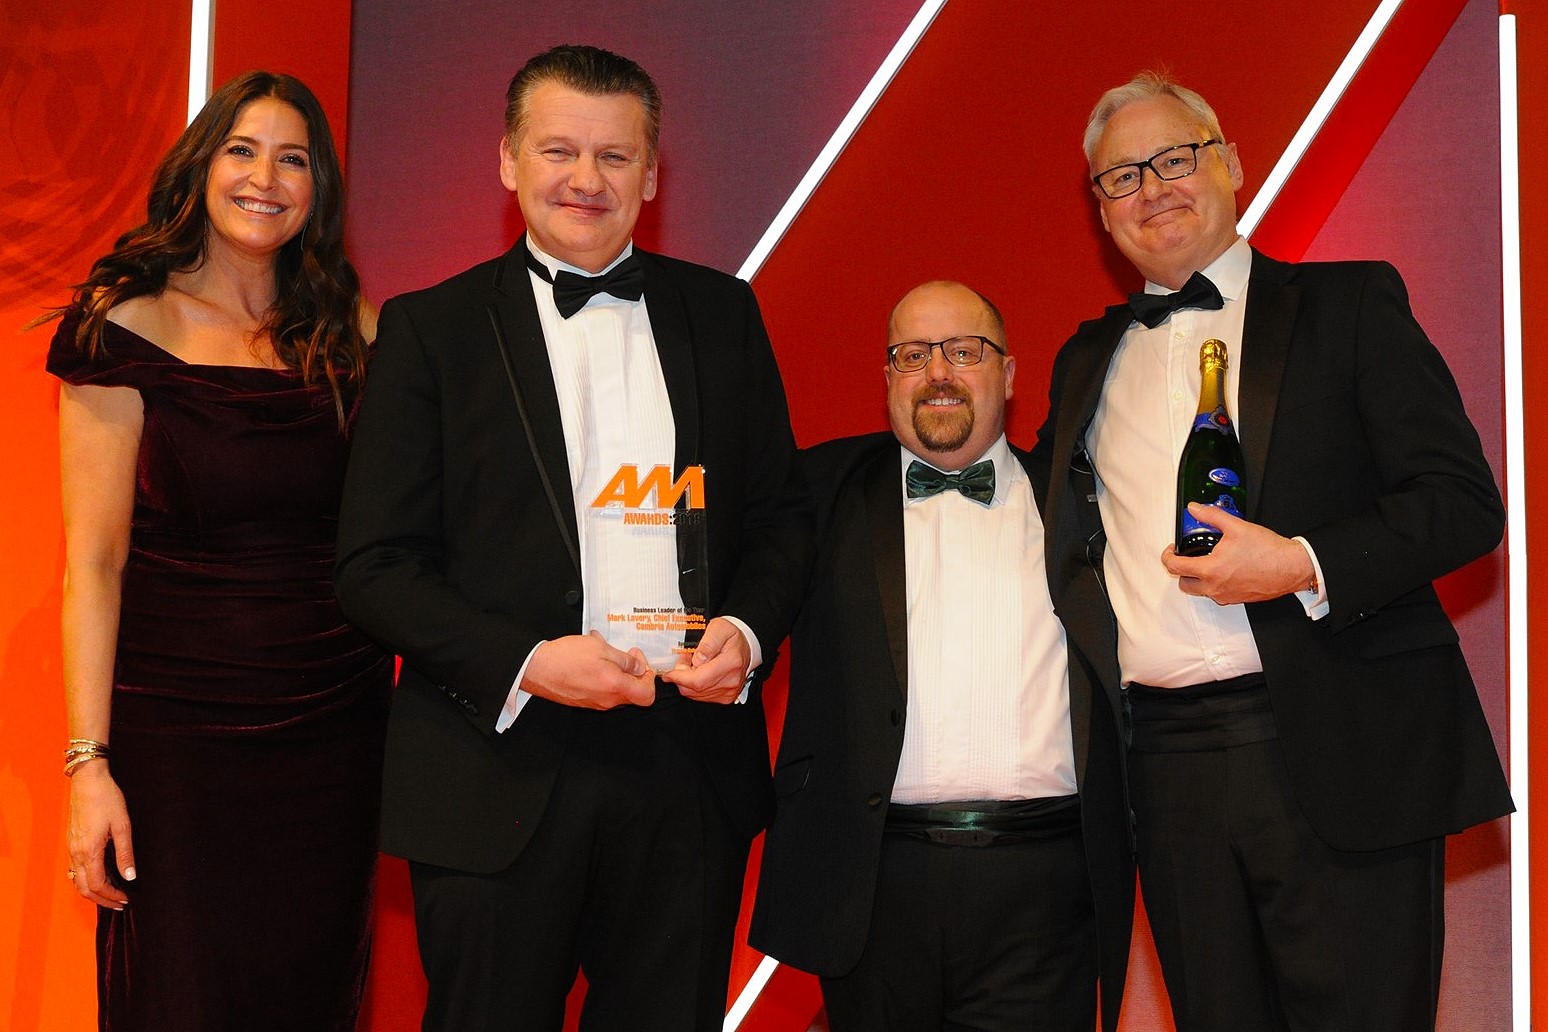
point(1216, 659)
point(1179, 337)
point(1177, 396)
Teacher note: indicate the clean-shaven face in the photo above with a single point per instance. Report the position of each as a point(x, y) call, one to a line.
point(1168, 229)
point(580, 170)
point(258, 193)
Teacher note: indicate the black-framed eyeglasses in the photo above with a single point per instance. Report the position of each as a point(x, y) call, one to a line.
point(913, 355)
point(1172, 163)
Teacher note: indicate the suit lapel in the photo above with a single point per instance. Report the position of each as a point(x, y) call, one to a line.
point(883, 494)
point(1088, 372)
point(1266, 330)
point(519, 335)
point(670, 325)
point(1082, 388)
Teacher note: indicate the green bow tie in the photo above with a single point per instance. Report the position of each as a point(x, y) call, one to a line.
point(975, 482)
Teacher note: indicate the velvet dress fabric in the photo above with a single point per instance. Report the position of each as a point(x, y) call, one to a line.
point(247, 715)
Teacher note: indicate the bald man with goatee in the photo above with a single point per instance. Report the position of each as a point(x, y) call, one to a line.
point(951, 847)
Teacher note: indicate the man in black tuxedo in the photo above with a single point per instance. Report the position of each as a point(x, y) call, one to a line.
point(1305, 732)
point(951, 846)
point(574, 785)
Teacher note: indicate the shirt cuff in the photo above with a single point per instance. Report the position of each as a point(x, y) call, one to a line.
point(517, 698)
point(1313, 600)
point(754, 656)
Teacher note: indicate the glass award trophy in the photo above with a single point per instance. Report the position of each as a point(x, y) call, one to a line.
point(653, 541)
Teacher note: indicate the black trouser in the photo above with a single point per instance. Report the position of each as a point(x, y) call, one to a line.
point(1259, 925)
point(999, 937)
point(633, 877)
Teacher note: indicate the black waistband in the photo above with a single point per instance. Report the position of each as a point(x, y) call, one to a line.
point(986, 822)
point(1212, 715)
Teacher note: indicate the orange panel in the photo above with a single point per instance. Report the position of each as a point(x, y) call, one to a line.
point(93, 94)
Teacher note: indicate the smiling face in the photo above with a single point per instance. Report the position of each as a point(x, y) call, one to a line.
point(258, 193)
point(1168, 229)
point(581, 170)
point(948, 415)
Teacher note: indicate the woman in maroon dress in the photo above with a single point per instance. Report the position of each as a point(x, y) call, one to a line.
point(226, 723)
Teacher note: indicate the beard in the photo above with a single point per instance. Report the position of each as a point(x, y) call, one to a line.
point(943, 430)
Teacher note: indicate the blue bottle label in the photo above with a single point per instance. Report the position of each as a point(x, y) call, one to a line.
point(1217, 421)
point(1225, 476)
point(1192, 526)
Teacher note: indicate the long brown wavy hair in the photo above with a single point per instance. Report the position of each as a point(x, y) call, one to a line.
point(314, 323)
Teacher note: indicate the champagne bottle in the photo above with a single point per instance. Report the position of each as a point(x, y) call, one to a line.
point(1210, 469)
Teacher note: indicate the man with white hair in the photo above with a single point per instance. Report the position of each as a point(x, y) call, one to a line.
point(1304, 729)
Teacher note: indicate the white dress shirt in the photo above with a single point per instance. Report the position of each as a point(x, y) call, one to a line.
point(988, 686)
point(615, 410)
point(1167, 638)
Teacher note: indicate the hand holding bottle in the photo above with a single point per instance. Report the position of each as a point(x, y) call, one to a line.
point(1249, 563)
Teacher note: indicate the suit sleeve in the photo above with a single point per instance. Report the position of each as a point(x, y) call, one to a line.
point(776, 533)
point(389, 573)
point(1436, 505)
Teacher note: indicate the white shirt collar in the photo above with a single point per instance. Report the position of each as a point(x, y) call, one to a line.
point(554, 265)
point(1228, 273)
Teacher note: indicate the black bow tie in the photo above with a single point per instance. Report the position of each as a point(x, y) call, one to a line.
point(1154, 309)
point(571, 292)
point(975, 482)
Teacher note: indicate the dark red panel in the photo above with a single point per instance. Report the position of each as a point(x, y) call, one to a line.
point(752, 91)
point(299, 37)
point(970, 168)
point(1346, 138)
point(1532, 31)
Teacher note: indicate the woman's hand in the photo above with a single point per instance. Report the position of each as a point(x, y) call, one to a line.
point(98, 816)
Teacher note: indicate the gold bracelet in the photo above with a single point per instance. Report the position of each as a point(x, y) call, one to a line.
point(81, 751)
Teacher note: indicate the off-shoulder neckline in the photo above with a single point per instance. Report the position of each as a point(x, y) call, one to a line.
point(121, 328)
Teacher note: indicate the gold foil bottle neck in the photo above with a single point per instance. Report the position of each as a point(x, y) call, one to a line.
point(1213, 353)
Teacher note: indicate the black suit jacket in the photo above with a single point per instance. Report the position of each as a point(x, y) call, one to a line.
point(458, 540)
point(1354, 437)
point(843, 732)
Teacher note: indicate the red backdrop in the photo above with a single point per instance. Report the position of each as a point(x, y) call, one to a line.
point(936, 183)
